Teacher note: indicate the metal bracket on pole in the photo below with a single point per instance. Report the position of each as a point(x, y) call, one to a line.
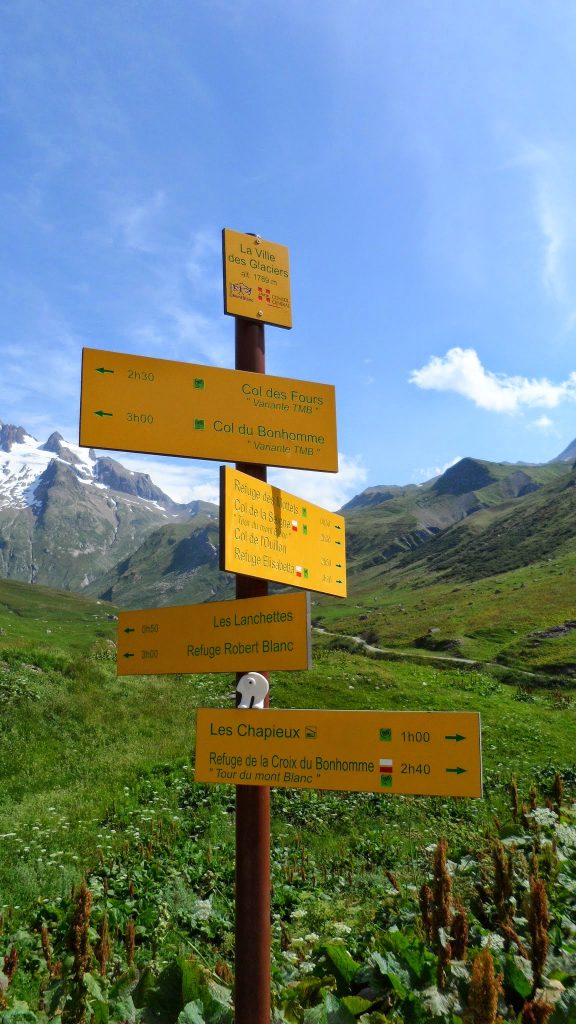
point(252, 689)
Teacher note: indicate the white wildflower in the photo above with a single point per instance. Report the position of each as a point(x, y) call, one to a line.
point(543, 816)
point(203, 910)
point(566, 835)
point(298, 914)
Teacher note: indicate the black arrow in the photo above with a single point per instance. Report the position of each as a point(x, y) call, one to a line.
point(457, 771)
point(102, 369)
point(101, 413)
point(457, 737)
point(337, 527)
point(128, 655)
point(129, 629)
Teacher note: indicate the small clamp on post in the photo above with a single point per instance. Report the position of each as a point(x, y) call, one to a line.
point(252, 689)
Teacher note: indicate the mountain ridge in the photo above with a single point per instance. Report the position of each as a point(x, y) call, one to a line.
point(82, 522)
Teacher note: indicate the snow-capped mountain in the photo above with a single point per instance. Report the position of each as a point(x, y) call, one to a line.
point(68, 516)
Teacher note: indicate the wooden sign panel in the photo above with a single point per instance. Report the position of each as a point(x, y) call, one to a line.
point(256, 279)
point(268, 533)
point(429, 753)
point(138, 404)
point(258, 633)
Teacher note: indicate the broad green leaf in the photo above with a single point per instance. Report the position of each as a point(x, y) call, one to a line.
point(438, 1003)
point(192, 1014)
point(141, 992)
point(518, 975)
point(165, 998)
point(357, 1004)
point(215, 999)
point(390, 969)
point(53, 996)
point(343, 965)
point(93, 988)
point(336, 1011)
point(315, 1016)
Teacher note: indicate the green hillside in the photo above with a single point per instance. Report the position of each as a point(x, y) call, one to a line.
point(32, 614)
point(176, 564)
point(97, 784)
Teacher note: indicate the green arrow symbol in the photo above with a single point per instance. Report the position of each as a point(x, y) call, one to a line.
point(129, 629)
point(457, 737)
point(131, 656)
point(101, 413)
point(102, 369)
point(457, 771)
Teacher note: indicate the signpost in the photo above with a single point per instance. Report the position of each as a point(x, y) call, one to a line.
point(429, 753)
point(256, 279)
point(223, 636)
point(267, 532)
point(137, 404)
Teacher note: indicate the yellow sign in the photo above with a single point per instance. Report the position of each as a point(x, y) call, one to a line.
point(430, 753)
point(137, 404)
point(268, 533)
point(256, 279)
point(257, 633)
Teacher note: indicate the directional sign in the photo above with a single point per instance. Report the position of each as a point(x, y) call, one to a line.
point(137, 404)
point(256, 279)
point(269, 533)
point(387, 752)
point(223, 636)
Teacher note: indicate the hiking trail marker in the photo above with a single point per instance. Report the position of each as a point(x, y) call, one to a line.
point(222, 636)
point(427, 753)
point(269, 533)
point(256, 279)
point(162, 407)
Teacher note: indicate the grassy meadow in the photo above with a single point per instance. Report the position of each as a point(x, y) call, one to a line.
point(385, 909)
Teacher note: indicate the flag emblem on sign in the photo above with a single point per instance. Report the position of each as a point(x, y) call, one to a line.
point(294, 526)
point(298, 570)
point(385, 766)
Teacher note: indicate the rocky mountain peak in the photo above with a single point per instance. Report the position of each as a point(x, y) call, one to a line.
point(568, 455)
point(115, 476)
point(467, 475)
point(53, 444)
point(10, 435)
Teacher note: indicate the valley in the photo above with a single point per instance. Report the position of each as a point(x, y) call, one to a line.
point(461, 598)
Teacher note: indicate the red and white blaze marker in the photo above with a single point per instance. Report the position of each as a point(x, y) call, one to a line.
point(385, 766)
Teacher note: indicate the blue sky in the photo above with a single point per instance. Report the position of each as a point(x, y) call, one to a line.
point(418, 159)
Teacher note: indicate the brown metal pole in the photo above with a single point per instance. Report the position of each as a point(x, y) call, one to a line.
point(253, 932)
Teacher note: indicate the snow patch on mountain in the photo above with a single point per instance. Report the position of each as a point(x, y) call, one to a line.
point(24, 460)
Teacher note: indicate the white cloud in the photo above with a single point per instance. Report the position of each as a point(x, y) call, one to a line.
point(181, 479)
point(425, 473)
point(138, 224)
point(461, 371)
point(545, 424)
point(188, 480)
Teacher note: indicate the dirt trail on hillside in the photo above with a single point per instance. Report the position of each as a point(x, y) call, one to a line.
point(392, 654)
